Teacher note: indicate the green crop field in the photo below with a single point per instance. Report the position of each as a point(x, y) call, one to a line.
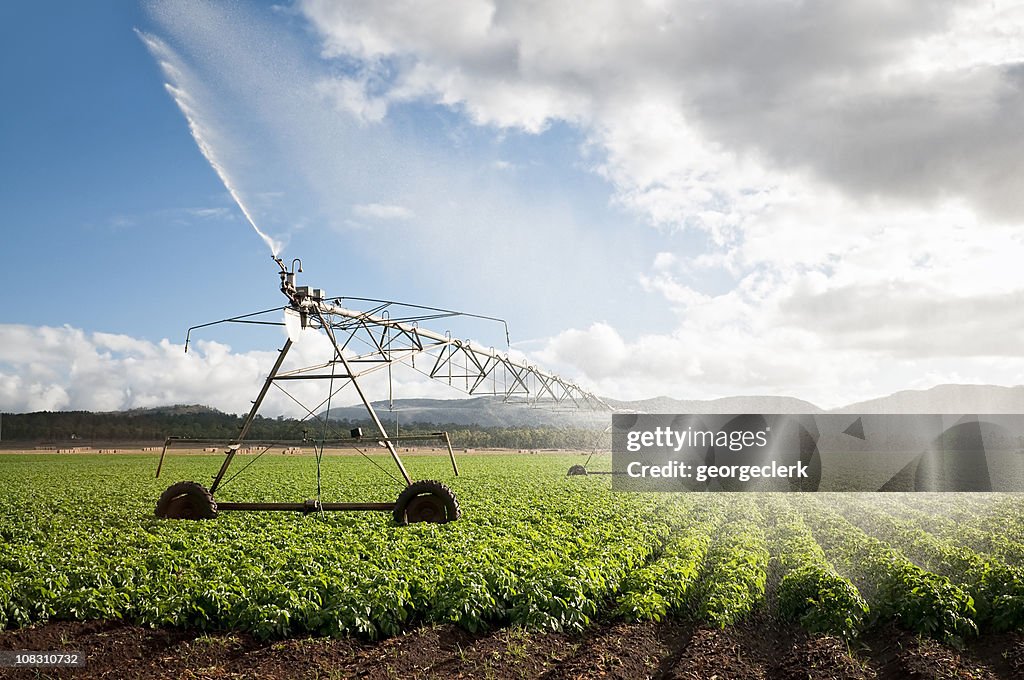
point(78, 541)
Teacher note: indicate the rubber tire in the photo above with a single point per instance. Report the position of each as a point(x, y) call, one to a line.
point(186, 500)
point(576, 470)
point(426, 501)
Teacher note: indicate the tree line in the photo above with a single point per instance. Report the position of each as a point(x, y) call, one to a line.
point(69, 427)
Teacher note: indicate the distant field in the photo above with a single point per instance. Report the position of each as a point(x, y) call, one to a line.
point(153, 450)
point(534, 548)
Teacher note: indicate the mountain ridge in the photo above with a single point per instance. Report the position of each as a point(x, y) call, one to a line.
point(493, 412)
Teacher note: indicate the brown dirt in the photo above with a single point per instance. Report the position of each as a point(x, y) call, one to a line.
point(756, 649)
point(898, 654)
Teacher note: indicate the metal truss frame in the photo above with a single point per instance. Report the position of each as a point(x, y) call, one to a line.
point(365, 342)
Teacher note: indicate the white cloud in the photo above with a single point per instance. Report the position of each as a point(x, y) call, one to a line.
point(382, 211)
point(895, 311)
point(45, 368)
point(909, 101)
point(210, 213)
point(731, 359)
point(350, 95)
point(664, 260)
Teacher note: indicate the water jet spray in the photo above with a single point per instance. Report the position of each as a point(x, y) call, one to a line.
point(165, 58)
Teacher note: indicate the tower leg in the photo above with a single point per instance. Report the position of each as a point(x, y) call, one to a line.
point(235, 445)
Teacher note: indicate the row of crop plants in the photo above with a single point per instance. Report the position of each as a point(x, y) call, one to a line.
point(665, 585)
point(832, 576)
point(736, 572)
point(997, 588)
point(810, 592)
point(893, 586)
point(713, 567)
point(987, 529)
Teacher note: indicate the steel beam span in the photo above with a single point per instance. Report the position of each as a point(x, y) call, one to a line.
point(374, 341)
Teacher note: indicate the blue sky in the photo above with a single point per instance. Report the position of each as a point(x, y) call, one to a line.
point(660, 200)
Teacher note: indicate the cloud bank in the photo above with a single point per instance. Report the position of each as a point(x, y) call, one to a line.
point(852, 167)
point(68, 369)
point(899, 100)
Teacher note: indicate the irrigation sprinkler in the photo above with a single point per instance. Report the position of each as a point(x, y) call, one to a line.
point(362, 342)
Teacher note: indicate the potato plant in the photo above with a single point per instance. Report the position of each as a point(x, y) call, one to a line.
point(736, 569)
point(811, 592)
point(997, 588)
point(915, 598)
point(666, 584)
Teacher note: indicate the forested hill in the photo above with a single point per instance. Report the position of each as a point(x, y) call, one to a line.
point(201, 422)
point(139, 424)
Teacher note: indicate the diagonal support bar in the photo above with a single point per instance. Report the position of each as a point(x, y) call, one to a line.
point(247, 423)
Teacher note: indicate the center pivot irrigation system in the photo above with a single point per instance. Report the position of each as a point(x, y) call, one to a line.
point(361, 343)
